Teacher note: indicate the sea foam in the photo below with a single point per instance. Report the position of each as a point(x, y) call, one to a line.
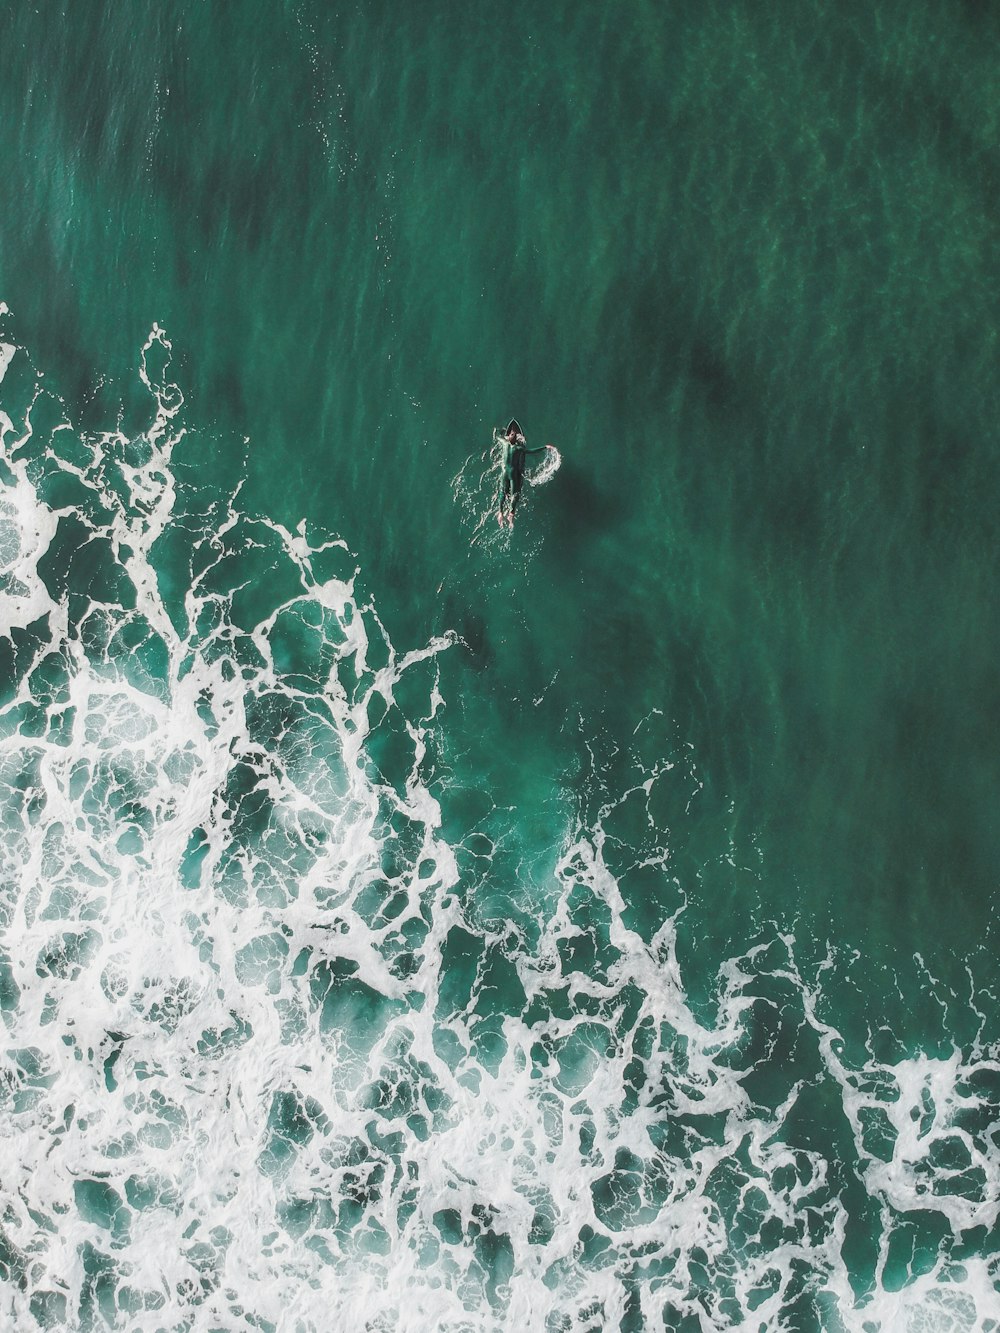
point(265, 1064)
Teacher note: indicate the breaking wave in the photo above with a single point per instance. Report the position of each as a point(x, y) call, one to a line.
point(268, 1064)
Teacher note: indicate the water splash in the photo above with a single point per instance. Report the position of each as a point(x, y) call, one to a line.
point(547, 469)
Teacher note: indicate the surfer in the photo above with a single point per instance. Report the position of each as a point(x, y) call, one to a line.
point(512, 472)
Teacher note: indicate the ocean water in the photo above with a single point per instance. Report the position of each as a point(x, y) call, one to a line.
point(409, 924)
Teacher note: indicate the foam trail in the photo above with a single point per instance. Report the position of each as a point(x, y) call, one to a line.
point(265, 1062)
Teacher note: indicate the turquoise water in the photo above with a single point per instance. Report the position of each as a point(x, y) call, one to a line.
point(409, 924)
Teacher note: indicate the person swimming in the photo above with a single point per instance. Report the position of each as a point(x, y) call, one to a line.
point(512, 473)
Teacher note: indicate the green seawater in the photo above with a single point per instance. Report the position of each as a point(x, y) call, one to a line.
point(739, 263)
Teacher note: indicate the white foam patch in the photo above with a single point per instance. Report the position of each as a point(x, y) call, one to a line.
point(547, 469)
point(265, 1065)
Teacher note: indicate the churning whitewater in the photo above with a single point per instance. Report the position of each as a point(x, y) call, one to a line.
point(266, 1064)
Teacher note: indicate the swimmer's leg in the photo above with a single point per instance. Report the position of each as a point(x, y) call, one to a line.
point(515, 498)
point(503, 498)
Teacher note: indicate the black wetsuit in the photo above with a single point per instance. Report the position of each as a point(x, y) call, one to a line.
point(512, 471)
